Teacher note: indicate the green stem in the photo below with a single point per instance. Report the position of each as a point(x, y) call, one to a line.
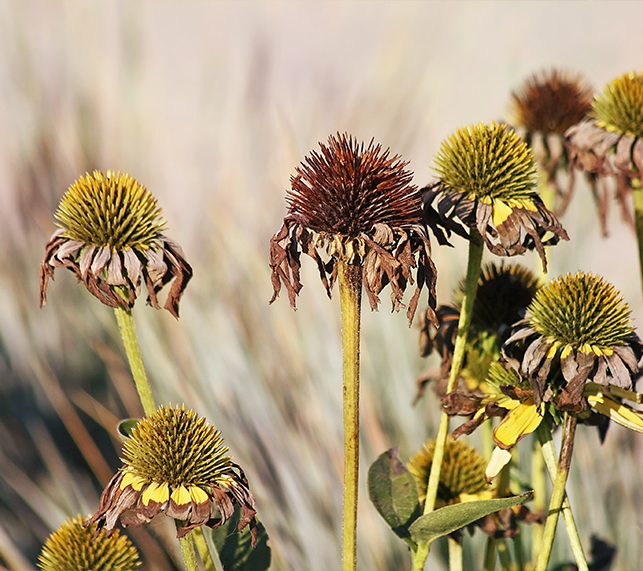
point(210, 562)
point(539, 486)
point(637, 193)
point(455, 554)
point(490, 555)
point(476, 248)
point(558, 492)
point(549, 455)
point(350, 293)
point(128, 333)
point(189, 555)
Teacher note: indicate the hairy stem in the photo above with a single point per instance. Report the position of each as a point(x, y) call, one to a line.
point(133, 351)
point(350, 292)
point(558, 492)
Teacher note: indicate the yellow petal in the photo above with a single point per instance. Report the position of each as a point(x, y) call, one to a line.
point(181, 496)
point(156, 492)
point(522, 420)
point(499, 459)
point(134, 480)
point(566, 351)
point(616, 411)
point(501, 211)
point(198, 495)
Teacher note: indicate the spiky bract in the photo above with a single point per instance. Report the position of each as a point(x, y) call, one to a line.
point(487, 162)
point(581, 311)
point(74, 547)
point(175, 446)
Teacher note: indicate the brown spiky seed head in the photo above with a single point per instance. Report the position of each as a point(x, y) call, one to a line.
point(347, 188)
point(551, 102)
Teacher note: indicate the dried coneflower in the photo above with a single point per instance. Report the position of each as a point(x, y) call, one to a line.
point(578, 350)
point(175, 462)
point(353, 209)
point(354, 204)
point(487, 180)
point(578, 325)
point(77, 547)
point(110, 236)
point(610, 145)
point(544, 107)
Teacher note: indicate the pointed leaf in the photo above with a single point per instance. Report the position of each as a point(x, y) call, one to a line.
point(451, 518)
point(393, 491)
point(235, 547)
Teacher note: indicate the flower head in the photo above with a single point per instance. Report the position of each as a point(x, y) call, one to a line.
point(354, 203)
point(176, 463)
point(77, 547)
point(550, 102)
point(110, 235)
point(577, 329)
point(544, 107)
point(610, 143)
point(462, 474)
point(488, 180)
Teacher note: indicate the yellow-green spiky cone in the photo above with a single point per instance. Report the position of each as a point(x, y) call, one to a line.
point(72, 547)
point(619, 108)
point(462, 470)
point(111, 210)
point(487, 161)
point(177, 447)
point(581, 311)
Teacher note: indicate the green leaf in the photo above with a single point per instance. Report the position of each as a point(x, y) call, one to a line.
point(393, 491)
point(235, 547)
point(451, 518)
point(126, 426)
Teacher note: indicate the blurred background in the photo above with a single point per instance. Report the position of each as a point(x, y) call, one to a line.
point(212, 105)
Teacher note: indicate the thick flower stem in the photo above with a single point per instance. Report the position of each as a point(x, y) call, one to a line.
point(189, 555)
point(476, 248)
point(350, 292)
point(558, 492)
point(637, 192)
point(130, 341)
point(549, 455)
